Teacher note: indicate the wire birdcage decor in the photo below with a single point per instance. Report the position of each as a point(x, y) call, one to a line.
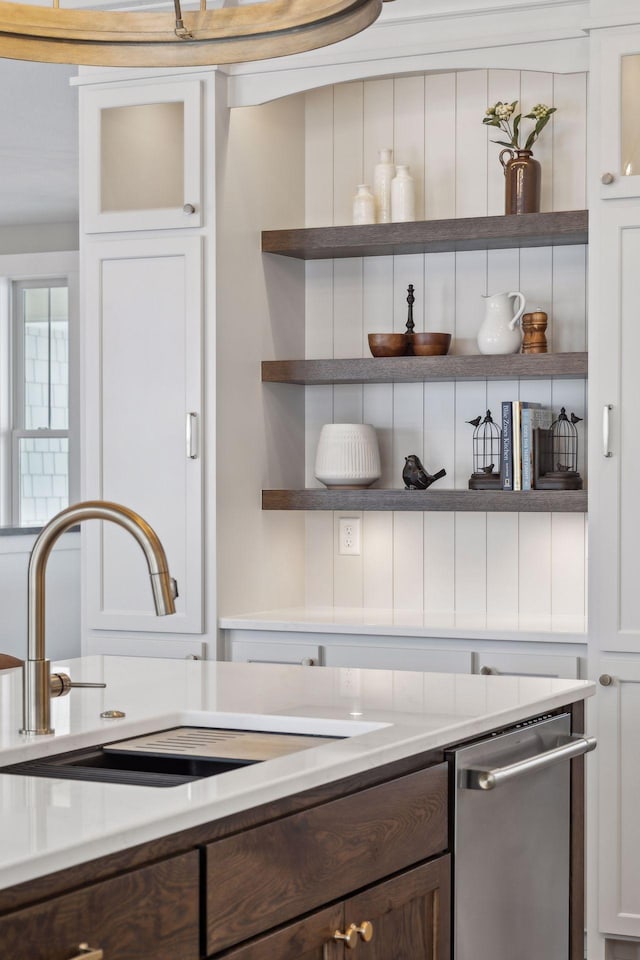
point(558, 463)
point(486, 453)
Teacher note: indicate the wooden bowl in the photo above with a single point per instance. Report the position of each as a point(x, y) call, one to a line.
point(431, 344)
point(388, 344)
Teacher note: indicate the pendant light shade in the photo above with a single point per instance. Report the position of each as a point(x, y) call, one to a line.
point(177, 37)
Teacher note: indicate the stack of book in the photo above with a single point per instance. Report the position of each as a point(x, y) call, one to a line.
point(520, 421)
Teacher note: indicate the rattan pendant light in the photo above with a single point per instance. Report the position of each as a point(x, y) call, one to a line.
point(175, 38)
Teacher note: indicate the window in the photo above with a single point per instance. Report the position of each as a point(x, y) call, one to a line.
point(37, 416)
point(40, 435)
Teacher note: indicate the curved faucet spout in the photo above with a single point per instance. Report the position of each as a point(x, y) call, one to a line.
point(36, 669)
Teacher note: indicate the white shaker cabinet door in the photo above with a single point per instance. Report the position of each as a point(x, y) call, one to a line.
point(618, 759)
point(141, 156)
point(615, 82)
point(614, 437)
point(142, 437)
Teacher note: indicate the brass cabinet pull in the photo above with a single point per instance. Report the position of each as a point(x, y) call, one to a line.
point(366, 930)
point(88, 953)
point(350, 937)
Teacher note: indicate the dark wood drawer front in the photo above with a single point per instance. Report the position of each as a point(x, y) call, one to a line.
point(308, 939)
point(273, 873)
point(147, 914)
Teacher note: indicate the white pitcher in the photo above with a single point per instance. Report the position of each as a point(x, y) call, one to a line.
point(500, 331)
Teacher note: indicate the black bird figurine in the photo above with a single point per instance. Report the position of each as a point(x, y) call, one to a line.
point(475, 422)
point(416, 477)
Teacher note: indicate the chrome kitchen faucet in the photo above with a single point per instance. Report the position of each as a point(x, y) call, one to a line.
point(39, 684)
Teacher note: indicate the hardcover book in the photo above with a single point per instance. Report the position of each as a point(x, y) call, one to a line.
point(506, 463)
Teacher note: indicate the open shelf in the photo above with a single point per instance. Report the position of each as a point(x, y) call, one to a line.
point(430, 236)
point(416, 369)
point(531, 501)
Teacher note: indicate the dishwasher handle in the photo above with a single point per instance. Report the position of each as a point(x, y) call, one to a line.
point(490, 779)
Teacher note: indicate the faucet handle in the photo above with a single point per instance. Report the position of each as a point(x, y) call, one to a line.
point(174, 588)
point(61, 684)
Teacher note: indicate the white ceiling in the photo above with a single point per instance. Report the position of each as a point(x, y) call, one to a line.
point(38, 143)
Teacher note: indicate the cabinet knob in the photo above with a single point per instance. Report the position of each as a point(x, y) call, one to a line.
point(308, 662)
point(607, 178)
point(365, 930)
point(605, 680)
point(88, 953)
point(350, 937)
point(188, 208)
point(487, 671)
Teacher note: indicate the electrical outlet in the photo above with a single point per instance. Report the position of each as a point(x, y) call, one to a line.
point(349, 536)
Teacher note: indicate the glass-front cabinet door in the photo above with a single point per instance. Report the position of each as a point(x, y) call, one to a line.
point(142, 162)
point(618, 62)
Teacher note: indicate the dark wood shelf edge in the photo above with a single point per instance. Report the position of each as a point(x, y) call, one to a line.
point(416, 369)
point(532, 501)
point(560, 227)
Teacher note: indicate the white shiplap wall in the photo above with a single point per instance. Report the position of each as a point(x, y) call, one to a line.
point(484, 569)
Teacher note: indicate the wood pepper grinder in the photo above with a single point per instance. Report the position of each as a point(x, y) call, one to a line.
point(533, 332)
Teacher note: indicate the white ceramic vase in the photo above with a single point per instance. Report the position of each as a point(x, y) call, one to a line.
point(364, 205)
point(403, 195)
point(347, 456)
point(383, 173)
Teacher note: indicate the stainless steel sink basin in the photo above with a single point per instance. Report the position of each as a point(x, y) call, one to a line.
point(167, 758)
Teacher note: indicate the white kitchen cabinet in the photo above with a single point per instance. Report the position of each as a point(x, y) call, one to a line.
point(143, 437)
point(614, 462)
point(614, 617)
point(506, 664)
point(398, 658)
point(142, 156)
point(616, 82)
point(256, 651)
point(619, 787)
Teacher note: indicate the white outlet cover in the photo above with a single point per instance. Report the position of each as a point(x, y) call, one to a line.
point(349, 536)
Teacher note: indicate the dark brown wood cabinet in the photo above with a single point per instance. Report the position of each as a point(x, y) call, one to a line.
point(407, 916)
point(147, 914)
point(264, 877)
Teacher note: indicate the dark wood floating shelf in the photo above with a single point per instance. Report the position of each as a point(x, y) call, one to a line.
point(430, 236)
point(416, 369)
point(533, 501)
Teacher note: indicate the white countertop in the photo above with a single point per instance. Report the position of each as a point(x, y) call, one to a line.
point(48, 824)
point(373, 621)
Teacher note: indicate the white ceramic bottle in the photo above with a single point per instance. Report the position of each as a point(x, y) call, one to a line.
point(383, 173)
point(364, 205)
point(403, 195)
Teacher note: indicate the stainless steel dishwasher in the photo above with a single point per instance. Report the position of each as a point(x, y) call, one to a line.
point(512, 842)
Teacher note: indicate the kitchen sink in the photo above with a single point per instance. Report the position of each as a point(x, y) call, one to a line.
point(168, 758)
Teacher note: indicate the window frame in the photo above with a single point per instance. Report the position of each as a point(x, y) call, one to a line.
point(38, 269)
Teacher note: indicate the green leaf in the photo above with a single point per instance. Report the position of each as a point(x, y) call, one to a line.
point(516, 127)
point(503, 143)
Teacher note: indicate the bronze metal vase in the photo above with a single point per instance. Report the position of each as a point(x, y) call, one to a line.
point(522, 181)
